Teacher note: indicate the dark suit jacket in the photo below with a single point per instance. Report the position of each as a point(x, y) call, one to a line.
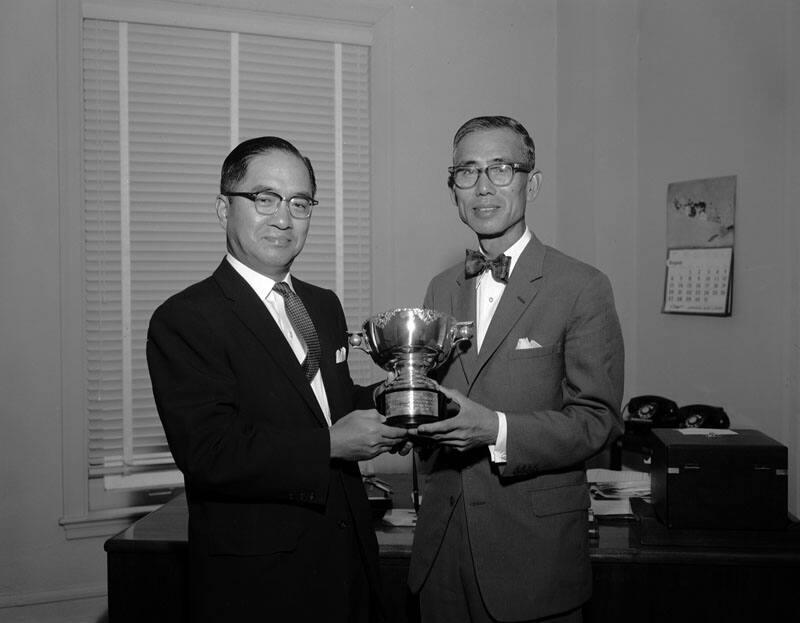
point(527, 519)
point(269, 511)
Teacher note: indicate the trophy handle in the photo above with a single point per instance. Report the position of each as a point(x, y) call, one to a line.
point(462, 331)
point(356, 340)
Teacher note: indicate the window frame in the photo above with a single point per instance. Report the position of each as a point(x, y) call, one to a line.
point(350, 25)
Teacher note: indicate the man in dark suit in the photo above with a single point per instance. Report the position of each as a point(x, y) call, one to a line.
point(250, 376)
point(502, 531)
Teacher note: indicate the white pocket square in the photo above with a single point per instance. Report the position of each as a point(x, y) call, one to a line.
point(341, 354)
point(525, 343)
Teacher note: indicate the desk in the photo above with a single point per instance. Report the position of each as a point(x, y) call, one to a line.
point(633, 582)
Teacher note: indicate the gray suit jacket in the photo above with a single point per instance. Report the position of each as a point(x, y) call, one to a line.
point(527, 518)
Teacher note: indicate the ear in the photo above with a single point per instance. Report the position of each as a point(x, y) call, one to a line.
point(453, 194)
point(534, 185)
point(222, 206)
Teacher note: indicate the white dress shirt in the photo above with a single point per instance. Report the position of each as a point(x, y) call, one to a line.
point(488, 292)
point(274, 303)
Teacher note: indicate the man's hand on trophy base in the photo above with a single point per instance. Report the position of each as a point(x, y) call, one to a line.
point(402, 448)
point(474, 426)
point(362, 435)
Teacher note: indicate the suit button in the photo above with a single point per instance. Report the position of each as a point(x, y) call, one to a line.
point(342, 524)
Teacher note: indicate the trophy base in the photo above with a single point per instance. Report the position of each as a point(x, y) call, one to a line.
point(410, 420)
point(408, 408)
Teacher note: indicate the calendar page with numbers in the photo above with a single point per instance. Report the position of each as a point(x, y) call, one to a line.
point(700, 241)
point(699, 281)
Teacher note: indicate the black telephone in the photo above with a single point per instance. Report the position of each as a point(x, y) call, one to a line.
point(703, 416)
point(646, 412)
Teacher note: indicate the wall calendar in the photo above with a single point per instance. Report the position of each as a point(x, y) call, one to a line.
point(699, 263)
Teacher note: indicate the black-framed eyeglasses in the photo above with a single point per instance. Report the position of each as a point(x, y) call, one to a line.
point(499, 173)
point(267, 202)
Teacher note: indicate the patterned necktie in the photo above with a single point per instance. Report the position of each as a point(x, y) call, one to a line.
point(476, 262)
point(302, 323)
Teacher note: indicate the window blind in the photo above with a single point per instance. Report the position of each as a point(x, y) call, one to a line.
point(162, 107)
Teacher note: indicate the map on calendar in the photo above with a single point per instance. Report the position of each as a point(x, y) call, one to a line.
point(700, 232)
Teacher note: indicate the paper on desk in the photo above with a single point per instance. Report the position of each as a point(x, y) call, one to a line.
point(616, 475)
point(611, 507)
point(708, 432)
point(401, 517)
point(611, 490)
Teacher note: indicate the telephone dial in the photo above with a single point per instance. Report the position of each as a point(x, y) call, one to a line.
point(646, 412)
point(703, 416)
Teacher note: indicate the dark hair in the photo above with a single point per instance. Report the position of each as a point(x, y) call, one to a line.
point(490, 123)
point(235, 166)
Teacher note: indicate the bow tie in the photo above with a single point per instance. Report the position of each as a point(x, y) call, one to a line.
point(475, 263)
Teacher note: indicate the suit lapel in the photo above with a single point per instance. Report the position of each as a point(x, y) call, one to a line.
point(522, 288)
point(254, 315)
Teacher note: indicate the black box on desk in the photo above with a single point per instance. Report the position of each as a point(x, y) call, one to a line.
point(718, 480)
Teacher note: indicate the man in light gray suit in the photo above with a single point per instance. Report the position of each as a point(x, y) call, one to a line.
point(502, 532)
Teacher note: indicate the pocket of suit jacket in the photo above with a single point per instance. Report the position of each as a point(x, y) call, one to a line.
point(557, 500)
point(251, 529)
point(532, 353)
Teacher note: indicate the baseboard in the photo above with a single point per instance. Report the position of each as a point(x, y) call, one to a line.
point(68, 594)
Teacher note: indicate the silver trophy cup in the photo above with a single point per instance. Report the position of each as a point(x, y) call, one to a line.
point(410, 342)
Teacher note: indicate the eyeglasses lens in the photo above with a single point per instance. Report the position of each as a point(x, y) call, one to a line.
point(498, 174)
point(268, 203)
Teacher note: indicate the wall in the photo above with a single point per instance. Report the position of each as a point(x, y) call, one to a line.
point(656, 91)
point(715, 82)
point(790, 422)
point(436, 65)
point(38, 563)
point(597, 147)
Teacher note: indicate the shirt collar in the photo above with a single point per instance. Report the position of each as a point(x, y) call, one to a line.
point(260, 283)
